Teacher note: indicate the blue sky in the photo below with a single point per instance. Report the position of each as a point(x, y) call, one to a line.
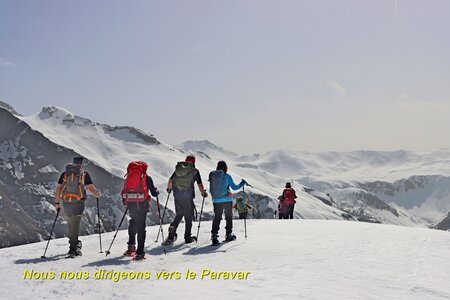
point(251, 76)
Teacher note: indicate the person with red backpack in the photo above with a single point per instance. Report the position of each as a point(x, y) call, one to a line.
point(71, 189)
point(287, 202)
point(136, 197)
point(182, 183)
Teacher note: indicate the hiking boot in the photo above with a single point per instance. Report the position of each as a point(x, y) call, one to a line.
point(190, 239)
point(230, 237)
point(215, 239)
point(131, 251)
point(140, 256)
point(79, 245)
point(172, 233)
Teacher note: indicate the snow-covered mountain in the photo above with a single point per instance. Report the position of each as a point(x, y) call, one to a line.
point(361, 185)
point(280, 259)
point(30, 165)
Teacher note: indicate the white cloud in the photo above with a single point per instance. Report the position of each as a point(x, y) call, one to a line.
point(338, 89)
point(6, 63)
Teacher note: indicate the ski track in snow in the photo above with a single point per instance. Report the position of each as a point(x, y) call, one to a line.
point(288, 259)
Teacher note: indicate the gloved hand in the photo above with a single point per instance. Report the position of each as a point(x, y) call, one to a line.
point(169, 190)
point(157, 192)
point(204, 194)
point(58, 206)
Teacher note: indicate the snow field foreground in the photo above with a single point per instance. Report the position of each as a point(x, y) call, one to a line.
point(287, 259)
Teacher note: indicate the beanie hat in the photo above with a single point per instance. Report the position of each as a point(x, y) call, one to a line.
point(78, 160)
point(190, 158)
point(288, 185)
point(221, 165)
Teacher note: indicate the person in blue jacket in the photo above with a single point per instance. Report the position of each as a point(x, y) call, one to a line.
point(223, 203)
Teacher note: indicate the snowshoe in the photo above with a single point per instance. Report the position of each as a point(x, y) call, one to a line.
point(131, 252)
point(138, 257)
point(73, 253)
point(215, 240)
point(230, 237)
point(169, 241)
point(190, 239)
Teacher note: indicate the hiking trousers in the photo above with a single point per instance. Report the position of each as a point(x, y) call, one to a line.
point(137, 224)
point(74, 211)
point(184, 208)
point(219, 209)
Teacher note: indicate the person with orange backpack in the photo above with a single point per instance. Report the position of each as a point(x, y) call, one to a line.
point(136, 197)
point(287, 202)
point(71, 189)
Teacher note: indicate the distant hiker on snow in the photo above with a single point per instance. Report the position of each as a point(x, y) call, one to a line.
point(182, 183)
point(287, 202)
point(71, 188)
point(135, 196)
point(242, 208)
point(220, 183)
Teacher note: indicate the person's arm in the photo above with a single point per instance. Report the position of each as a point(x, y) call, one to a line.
point(232, 184)
point(170, 184)
point(58, 196)
point(58, 192)
point(151, 187)
point(90, 185)
point(201, 188)
point(93, 190)
point(295, 195)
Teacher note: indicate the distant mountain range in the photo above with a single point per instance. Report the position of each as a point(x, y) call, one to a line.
point(400, 187)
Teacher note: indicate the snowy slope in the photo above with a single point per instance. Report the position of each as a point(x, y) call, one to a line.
point(287, 259)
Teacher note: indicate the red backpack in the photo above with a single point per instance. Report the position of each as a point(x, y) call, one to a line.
point(289, 196)
point(135, 187)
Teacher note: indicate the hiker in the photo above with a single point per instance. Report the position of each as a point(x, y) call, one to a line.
point(281, 208)
point(182, 183)
point(288, 201)
point(220, 183)
point(71, 189)
point(135, 196)
point(242, 208)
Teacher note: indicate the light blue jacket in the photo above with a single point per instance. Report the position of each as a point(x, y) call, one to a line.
point(231, 184)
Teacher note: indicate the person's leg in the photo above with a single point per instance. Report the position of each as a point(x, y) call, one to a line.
point(291, 211)
point(179, 211)
point(228, 207)
point(218, 211)
point(132, 225)
point(188, 217)
point(73, 223)
point(140, 229)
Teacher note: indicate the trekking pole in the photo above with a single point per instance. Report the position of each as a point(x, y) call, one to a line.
point(162, 218)
point(200, 219)
point(51, 232)
point(124, 214)
point(245, 219)
point(99, 227)
point(160, 222)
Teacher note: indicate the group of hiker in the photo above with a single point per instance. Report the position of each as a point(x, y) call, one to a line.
point(136, 194)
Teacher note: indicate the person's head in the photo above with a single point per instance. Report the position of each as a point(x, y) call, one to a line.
point(221, 165)
point(190, 158)
point(78, 160)
point(288, 185)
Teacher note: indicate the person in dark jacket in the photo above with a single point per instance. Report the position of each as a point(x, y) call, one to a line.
point(288, 201)
point(74, 202)
point(184, 194)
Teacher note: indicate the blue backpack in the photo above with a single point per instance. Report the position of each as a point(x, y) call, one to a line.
point(218, 184)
